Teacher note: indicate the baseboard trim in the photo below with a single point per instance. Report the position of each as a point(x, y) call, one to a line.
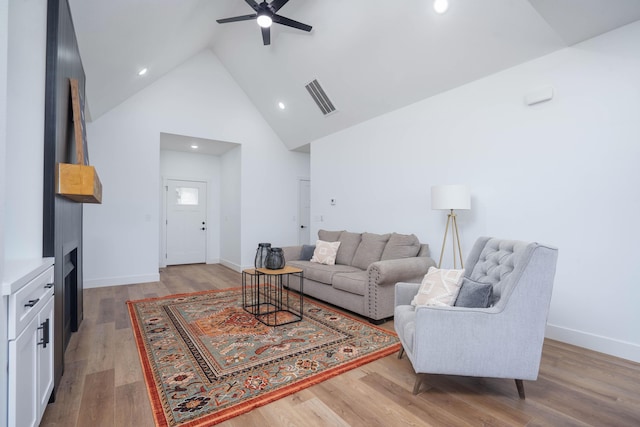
point(118, 281)
point(623, 349)
point(231, 265)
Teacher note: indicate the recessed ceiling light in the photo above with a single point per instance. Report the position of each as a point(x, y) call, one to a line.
point(194, 146)
point(281, 105)
point(142, 72)
point(441, 6)
point(264, 21)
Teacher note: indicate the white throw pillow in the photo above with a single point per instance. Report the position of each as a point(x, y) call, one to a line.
point(325, 252)
point(439, 287)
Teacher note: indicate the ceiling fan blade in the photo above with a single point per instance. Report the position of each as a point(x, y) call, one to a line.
point(253, 4)
point(276, 5)
point(237, 18)
point(291, 23)
point(266, 35)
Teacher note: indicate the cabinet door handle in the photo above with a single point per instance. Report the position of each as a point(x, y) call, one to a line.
point(32, 302)
point(48, 285)
point(45, 333)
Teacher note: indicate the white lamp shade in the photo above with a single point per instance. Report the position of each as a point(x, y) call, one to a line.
point(450, 197)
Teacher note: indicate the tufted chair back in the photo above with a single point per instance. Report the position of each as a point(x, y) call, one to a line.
point(495, 261)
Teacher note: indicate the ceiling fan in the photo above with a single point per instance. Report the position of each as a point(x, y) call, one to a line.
point(266, 15)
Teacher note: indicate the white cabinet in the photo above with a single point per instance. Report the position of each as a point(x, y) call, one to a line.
point(23, 388)
point(45, 355)
point(30, 334)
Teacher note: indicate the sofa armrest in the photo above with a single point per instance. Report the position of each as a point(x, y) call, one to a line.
point(382, 278)
point(399, 270)
point(291, 253)
point(405, 292)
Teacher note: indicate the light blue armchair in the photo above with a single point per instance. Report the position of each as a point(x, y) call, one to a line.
point(501, 341)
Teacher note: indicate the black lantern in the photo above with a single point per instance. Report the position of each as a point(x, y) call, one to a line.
point(261, 255)
point(275, 259)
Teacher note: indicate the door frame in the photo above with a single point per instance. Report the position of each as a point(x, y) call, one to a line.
point(299, 222)
point(163, 216)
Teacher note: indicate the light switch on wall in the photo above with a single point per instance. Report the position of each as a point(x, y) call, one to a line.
point(333, 202)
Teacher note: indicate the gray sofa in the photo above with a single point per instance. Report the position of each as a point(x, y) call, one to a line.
point(366, 269)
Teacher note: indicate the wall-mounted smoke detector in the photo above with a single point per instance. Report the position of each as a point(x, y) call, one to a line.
point(320, 97)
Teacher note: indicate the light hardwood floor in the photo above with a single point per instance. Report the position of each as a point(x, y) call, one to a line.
point(103, 385)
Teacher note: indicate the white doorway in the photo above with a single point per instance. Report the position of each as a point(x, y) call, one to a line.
point(304, 211)
point(186, 222)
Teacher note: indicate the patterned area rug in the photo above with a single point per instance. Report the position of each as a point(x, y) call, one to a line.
point(205, 359)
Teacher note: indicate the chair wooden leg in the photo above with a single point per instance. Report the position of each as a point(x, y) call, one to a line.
point(418, 383)
point(401, 352)
point(520, 386)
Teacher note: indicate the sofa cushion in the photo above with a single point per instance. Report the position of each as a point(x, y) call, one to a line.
point(369, 250)
point(320, 272)
point(439, 287)
point(329, 236)
point(424, 250)
point(354, 283)
point(474, 295)
point(348, 244)
point(325, 252)
point(307, 252)
point(401, 246)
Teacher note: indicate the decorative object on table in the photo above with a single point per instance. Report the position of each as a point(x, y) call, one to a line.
point(501, 341)
point(261, 255)
point(206, 360)
point(450, 197)
point(275, 259)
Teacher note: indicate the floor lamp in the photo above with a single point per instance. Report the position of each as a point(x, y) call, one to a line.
point(450, 197)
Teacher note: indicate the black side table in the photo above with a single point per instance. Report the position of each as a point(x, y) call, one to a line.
point(266, 295)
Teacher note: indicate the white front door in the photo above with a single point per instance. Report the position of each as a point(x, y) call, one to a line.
point(186, 222)
point(304, 211)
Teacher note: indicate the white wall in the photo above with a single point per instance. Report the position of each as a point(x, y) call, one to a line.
point(562, 173)
point(230, 227)
point(4, 55)
point(199, 99)
point(22, 79)
point(269, 182)
point(195, 167)
point(25, 128)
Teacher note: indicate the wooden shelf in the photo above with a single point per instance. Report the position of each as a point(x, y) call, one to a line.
point(79, 183)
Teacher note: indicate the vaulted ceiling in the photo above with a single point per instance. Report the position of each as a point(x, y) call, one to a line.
point(370, 56)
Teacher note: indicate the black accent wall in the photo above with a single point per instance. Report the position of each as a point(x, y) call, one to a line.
point(62, 218)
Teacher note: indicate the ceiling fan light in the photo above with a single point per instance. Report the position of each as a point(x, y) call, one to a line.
point(441, 6)
point(264, 21)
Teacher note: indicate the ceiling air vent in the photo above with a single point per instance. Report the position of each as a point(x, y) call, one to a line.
point(322, 100)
